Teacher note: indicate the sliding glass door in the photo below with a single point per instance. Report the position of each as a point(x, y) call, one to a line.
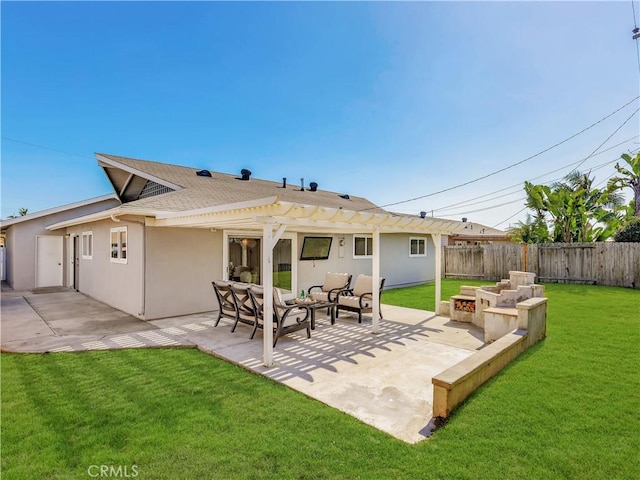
point(244, 260)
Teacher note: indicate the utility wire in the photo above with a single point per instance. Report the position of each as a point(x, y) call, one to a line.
point(513, 164)
point(509, 218)
point(608, 138)
point(593, 153)
point(519, 184)
point(524, 198)
point(46, 148)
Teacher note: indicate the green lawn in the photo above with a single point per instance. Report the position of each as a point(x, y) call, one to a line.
point(568, 408)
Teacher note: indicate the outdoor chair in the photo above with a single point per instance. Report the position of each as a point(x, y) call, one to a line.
point(238, 271)
point(226, 300)
point(245, 312)
point(359, 298)
point(333, 284)
point(286, 318)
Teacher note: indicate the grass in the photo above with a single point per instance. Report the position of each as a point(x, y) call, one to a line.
point(567, 408)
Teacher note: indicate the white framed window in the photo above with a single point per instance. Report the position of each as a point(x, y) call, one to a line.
point(87, 245)
point(118, 241)
point(417, 247)
point(362, 246)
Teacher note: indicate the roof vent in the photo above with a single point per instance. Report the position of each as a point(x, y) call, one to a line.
point(302, 184)
point(464, 219)
point(345, 196)
point(313, 186)
point(203, 173)
point(284, 182)
point(423, 214)
point(245, 174)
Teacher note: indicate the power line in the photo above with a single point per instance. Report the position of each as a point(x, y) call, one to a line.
point(45, 148)
point(487, 208)
point(519, 184)
point(597, 185)
point(509, 218)
point(609, 137)
point(512, 165)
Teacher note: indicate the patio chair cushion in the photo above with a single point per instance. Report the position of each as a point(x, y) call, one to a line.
point(332, 281)
point(364, 284)
point(294, 316)
point(354, 302)
point(335, 280)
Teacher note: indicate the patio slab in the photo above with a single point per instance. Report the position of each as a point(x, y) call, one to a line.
point(383, 379)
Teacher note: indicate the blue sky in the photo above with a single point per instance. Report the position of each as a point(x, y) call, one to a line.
point(390, 101)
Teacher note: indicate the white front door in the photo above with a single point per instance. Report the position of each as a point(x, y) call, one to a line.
point(49, 261)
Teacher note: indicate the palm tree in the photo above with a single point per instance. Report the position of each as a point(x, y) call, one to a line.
point(21, 213)
point(629, 177)
point(574, 209)
point(533, 230)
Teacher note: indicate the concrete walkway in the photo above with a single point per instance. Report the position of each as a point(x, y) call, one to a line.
point(383, 379)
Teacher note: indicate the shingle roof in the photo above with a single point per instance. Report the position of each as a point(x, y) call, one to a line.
point(223, 189)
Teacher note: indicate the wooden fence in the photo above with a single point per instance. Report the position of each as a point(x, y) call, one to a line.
point(604, 263)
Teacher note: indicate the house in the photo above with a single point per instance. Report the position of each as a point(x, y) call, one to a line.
point(174, 229)
point(36, 257)
point(474, 234)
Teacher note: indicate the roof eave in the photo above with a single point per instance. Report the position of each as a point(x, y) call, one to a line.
point(54, 210)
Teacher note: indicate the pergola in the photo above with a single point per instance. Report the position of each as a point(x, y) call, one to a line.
point(273, 217)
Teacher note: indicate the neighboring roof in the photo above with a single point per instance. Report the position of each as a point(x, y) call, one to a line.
point(473, 229)
point(51, 211)
point(191, 191)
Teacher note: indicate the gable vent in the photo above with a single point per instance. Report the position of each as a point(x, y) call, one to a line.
point(151, 189)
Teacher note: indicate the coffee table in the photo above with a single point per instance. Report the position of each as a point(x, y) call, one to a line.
point(314, 305)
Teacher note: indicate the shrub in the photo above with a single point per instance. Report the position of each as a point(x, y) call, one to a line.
point(629, 233)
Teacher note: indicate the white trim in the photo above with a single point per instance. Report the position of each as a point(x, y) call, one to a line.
point(258, 235)
point(375, 274)
point(437, 238)
point(419, 239)
point(103, 215)
point(267, 284)
point(368, 242)
point(260, 202)
point(89, 235)
point(120, 258)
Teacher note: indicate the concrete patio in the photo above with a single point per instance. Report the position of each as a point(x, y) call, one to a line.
point(383, 379)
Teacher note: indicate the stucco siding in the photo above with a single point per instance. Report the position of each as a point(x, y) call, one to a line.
point(181, 263)
point(399, 268)
point(396, 266)
point(117, 284)
point(21, 242)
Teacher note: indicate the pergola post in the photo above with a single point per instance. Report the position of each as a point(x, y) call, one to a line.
point(437, 240)
point(267, 284)
point(269, 241)
point(375, 273)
